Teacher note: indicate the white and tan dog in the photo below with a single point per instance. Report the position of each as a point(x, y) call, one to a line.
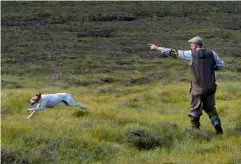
point(50, 101)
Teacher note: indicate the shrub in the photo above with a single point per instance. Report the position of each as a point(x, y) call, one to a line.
point(198, 134)
point(8, 156)
point(162, 134)
point(143, 140)
point(10, 84)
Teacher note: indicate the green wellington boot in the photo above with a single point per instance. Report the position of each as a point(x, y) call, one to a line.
point(217, 124)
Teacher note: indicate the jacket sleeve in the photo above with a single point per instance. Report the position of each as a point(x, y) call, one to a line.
point(219, 63)
point(184, 55)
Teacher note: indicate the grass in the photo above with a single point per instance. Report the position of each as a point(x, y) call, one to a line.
point(137, 100)
point(100, 132)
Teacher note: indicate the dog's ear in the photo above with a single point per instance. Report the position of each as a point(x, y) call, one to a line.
point(38, 95)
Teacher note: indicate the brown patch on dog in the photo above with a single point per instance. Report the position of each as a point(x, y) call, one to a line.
point(37, 97)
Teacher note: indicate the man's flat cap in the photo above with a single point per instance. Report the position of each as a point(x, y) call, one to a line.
point(197, 40)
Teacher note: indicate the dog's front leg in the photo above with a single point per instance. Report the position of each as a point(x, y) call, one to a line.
point(34, 110)
point(32, 114)
point(30, 110)
point(37, 108)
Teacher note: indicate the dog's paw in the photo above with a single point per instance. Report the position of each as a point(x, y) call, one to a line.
point(29, 110)
point(84, 107)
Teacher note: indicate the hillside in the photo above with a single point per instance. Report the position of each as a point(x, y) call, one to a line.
point(137, 99)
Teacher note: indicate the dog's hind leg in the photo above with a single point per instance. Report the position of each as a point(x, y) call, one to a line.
point(71, 102)
point(79, 105)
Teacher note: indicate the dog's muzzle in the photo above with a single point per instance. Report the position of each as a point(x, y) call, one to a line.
point(31, 103)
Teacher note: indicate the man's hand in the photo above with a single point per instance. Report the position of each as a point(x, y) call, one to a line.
point(153, 46)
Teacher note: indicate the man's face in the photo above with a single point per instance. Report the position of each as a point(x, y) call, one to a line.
point(193, 46)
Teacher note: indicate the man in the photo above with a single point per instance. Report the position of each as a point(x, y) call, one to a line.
point(203, 63)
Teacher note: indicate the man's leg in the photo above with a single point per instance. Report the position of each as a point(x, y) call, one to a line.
point(196, 110)
point(209, 108)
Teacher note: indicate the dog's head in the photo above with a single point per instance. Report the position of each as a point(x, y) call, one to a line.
point(35, 99)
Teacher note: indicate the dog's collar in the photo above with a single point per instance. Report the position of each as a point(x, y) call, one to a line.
point(37, 100)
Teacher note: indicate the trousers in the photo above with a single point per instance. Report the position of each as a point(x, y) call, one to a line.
point(201, 102)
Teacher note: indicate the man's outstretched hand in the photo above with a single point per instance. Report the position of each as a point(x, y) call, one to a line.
point(152, 46)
